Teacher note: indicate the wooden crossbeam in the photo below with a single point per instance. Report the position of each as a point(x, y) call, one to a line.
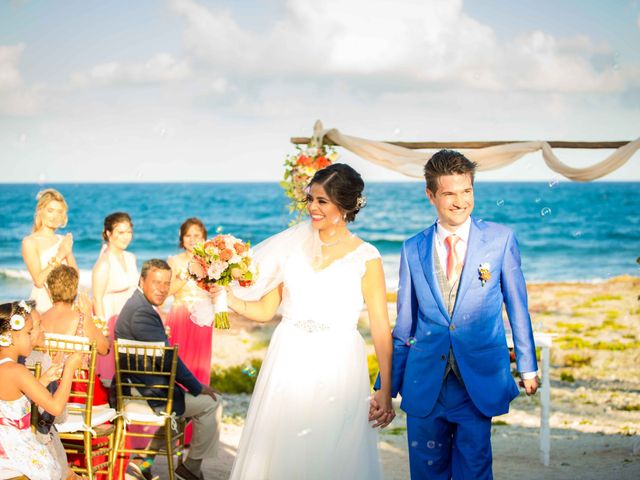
point(475, 144)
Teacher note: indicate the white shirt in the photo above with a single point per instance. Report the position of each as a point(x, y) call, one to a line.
point(461, 249)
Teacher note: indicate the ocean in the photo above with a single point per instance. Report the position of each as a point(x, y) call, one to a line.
point(567, 231)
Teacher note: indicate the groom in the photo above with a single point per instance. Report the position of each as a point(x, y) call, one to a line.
point(450, 358)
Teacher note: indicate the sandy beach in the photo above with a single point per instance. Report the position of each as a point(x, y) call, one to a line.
point(595, 389)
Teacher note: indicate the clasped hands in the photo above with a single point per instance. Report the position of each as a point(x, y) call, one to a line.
point(381, 411)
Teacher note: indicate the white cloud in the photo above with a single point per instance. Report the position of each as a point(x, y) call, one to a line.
point(160, 68)
point(377, 44)
point(16, 98)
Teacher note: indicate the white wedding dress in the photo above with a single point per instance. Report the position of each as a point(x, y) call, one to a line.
point(308, 414)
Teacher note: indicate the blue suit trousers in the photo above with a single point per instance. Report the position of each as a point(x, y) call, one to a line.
point(453, 441)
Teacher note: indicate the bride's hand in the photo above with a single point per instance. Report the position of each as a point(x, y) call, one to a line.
point(381, 409)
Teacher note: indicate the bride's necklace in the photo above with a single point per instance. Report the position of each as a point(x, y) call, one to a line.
point(336, 242)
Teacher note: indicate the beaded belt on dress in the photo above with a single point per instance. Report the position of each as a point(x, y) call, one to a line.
point(310, 326)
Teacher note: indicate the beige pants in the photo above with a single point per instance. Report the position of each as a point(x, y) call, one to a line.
point(206, 415)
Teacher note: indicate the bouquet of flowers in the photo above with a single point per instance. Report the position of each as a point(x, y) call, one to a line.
point(220, 261)
point(299, 169)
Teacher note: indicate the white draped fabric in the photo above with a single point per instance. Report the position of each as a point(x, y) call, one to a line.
point(411, 162)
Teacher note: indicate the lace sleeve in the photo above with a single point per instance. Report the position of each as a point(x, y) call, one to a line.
point(367, 252)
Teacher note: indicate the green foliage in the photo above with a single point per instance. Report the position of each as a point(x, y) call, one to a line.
point(573, 342)
point(630, 408)
point(235, 379)
point(499, 423)
point(259, 345)
point(606, 298)
point(567, 377)
point(394, 431)
point(372, 363)
point(571, 327)
point(577, 360)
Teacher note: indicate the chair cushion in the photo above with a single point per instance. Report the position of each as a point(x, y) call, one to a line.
point(140, 411)
point(74, 421)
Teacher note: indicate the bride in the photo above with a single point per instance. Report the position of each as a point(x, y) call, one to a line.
point(308, 417)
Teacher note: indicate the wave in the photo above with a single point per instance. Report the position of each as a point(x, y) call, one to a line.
point(23, 275)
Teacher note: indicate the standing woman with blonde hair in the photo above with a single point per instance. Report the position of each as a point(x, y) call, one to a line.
point(114, 278)
point(44, 249)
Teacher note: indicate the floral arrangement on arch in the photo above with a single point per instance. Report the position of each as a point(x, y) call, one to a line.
point(219, 261)
point(299, 168)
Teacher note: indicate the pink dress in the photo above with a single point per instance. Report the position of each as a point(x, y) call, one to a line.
point(121, 284)
point(190, 321)
point(192, 304)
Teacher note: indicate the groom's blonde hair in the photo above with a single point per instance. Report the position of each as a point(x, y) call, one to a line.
point(447, 162)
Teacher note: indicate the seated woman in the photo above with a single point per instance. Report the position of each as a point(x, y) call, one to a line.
point(63, 319)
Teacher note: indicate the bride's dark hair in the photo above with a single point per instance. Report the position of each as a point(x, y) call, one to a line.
point(344, 187)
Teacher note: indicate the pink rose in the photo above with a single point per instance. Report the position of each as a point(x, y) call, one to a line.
point(196, 269)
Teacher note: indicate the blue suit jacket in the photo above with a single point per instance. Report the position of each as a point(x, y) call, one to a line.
point(475, 331)
point(138, 320)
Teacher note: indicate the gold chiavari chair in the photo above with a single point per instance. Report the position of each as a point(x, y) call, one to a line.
point(84, 421)
point(157, 364)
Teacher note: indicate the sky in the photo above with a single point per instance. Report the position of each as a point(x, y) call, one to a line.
point(195, 90)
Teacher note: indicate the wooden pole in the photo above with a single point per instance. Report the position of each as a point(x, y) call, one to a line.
point(456, 144)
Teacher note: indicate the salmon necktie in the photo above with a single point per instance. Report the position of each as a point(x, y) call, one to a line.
point(454, 263)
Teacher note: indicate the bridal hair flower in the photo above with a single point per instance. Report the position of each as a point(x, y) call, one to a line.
point(485, 274)
point(17, 322)
point(5, 340)
point(299, 169)
point(361, 201)
point(24, 306)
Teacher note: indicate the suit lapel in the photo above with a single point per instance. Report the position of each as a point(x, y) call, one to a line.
point(473, 259)
point(425, 249)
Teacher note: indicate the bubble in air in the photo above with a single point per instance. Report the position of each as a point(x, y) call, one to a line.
point(219, 229)
point(410, 341)
point(249, 371)
point(414, 444)
point(304, 432)
point(577, 234)
point(545, 211)
point(431, 444)
point(538, 200)
point(553, 182)
point(500, 203)
point(430, 462)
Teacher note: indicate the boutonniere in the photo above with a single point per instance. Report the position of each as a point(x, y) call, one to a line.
point(484, 273)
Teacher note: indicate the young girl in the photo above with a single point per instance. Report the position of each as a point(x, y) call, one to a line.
point(20, 452)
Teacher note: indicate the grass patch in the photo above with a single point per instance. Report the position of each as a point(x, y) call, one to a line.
point(372, 364)
point(259, 345)
point(606, 298)
point(394, 431)
point(499, 423)
point(236, 379)
point(615, 345)
point(567, 377)
point(629, 408)
point(586, 422)
point(629, 336)
point(577, 360)
point(571, 327)
point(571, 341)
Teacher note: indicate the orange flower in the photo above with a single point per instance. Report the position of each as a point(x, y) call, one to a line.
point(226, 254)
point(303, 160)
point(240, 248)
point(322, 162)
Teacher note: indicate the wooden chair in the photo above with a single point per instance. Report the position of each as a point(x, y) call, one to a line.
point(85, 422)
point(135, 359)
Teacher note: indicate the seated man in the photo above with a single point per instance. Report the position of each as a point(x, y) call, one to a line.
point(140, 321)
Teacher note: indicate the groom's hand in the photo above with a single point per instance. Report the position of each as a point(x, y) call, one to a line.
point(207, 390)
point(530, 385)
